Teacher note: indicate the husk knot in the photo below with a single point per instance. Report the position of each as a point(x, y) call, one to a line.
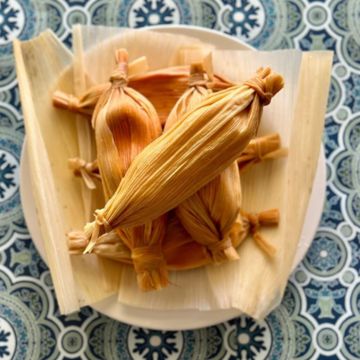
point(256, 220)
point(119, 78)
point(197, 75)
point(101, 220)
point(266, 84)
point(66, 101)
point(77, 241)
point(150, 267)
point(87, 170)
point(222, 250)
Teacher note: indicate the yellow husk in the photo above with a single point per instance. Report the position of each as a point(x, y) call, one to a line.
point(125, 122)
point(267, 186)
point(40, 63)
point(209, 214)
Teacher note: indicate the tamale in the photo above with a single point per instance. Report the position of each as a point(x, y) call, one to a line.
point(125, 122)
point(199, 147)
point(209, 214)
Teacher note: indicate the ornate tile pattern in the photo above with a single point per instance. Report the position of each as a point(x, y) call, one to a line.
point(319, 315)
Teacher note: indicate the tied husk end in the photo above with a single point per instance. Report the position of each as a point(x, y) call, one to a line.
point(266, 84)
point(256, 221)
point(89, 171)
point(222, 251)
point(66, 101)
point(150, 268)
point(261, 149)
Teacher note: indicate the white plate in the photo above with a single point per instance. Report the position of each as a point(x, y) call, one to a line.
point(179, 319)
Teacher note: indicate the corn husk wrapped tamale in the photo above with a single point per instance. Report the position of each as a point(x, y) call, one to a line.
point(209, 214)
point(125, 122)
point(204, 143)
point(161, 87)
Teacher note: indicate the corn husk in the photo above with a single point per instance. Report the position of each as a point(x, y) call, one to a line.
point(209, 214)
point(83, 129)
point(51, 141)
point(125, 122)
point(270, 184)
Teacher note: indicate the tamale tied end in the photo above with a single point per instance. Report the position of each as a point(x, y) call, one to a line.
point(150, 267)
point(266, 84)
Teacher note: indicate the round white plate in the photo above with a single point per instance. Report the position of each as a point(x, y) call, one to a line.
point(179, 319)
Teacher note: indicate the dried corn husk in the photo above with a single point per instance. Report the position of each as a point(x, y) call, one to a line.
point(87, 170)
point(209, 214)
point(263, 148)
point(162, 87)
point(193, 152)
point(252, 222)
point(86, 141)
point(42, 64)
point(125, 122)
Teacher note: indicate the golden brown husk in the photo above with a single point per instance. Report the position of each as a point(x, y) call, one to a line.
point(209, 214)
point(125, 122)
